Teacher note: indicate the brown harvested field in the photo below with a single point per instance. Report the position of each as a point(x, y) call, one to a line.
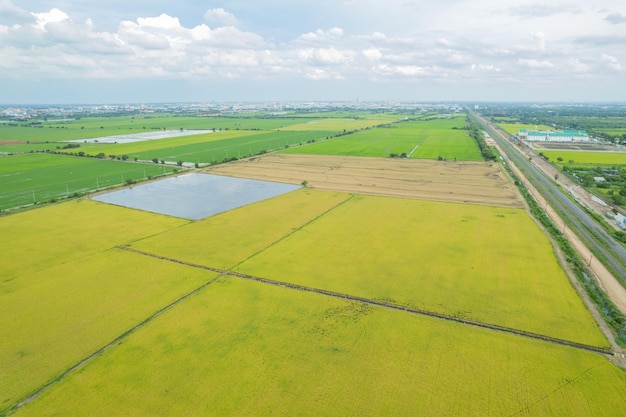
point(8, 142)
point(462, 182)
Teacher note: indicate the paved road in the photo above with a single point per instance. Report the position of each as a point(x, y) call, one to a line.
point(580, 221)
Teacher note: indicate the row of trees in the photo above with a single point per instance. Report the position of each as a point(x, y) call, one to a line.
point(476, 132)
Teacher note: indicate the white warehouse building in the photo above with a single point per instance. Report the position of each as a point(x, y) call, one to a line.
point(550, 136)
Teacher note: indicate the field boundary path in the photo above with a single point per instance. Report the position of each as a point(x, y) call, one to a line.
point(379, 303)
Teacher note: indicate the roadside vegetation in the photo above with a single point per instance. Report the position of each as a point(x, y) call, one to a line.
point(611, 314)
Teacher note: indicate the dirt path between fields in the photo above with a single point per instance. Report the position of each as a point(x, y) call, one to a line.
point(378, 303)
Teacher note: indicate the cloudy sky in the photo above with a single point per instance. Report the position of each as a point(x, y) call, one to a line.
point(96, 51)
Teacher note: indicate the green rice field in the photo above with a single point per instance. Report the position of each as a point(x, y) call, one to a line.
point(34, 178)
point(591, 158)
point(210, 147)
point(432, 139)
point(514, 128)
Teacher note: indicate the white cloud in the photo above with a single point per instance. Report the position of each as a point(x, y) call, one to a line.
point(402, 70)
point(615, 18)
point(611, 62)
point(485, 67)
point(53, 16)
point(387, 41)
point(321, 74)
point(535, 63)
point(577, 66)
point(373, 54)
point(325, 55)
point(321, 35)
point(226, 37)
point(221, 17)
point(134, 34)
point(163, 21)
point(540, 38)
point(456, 58)
point(540, 10)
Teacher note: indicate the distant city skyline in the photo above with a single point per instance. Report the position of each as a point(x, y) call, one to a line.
point(279, 50)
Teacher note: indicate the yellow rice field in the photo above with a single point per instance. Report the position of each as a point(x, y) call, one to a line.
point(227, 239)
point(75, 284)
point(242, 348)
point(483, 263)
point(57, 316)
point(58, 233)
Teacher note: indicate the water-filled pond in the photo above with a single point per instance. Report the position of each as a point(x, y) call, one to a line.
point(141, 137)
point(195, 196)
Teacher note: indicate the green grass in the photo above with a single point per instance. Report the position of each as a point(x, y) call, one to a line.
point(431, 139)
point(243, 348)
point(614, 132)
point(337, 124)
point(29, 178)
point(514, 128)
point(592, 158)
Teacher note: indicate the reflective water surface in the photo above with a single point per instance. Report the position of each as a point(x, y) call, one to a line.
point(195, 196)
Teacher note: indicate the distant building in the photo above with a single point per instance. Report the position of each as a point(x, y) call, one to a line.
point(550, 136)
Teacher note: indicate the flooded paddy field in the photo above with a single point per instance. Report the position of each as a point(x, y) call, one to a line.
point(195, 196)
point(140, 137)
